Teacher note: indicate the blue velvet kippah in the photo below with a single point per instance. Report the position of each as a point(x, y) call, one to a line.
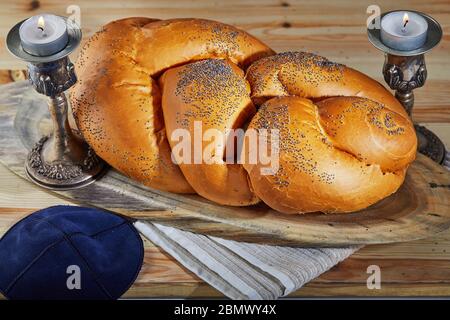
point(69, 252)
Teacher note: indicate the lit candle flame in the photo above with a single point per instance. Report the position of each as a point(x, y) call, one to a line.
point(405, 20)
point(41, 23)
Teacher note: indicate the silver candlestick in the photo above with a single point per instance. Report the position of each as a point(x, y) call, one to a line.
point(62, 160)
point(405, 71)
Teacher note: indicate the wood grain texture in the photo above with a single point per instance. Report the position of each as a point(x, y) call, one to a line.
point(334, 29)
point(419, 209)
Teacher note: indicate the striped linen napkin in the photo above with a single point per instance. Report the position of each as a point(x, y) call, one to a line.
point(246, 270)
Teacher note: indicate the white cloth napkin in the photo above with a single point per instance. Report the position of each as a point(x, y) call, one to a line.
point(244, 270)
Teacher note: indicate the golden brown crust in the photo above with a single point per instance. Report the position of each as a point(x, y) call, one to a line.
point(369, 131)
point(343, 154)
point(169, 43)
point(116, 102)
point(215, 94)
point(116, 106)
point(314, 77)
point(140, 80)
point(315, 175)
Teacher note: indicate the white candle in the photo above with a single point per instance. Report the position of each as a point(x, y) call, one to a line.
point(43, 35)
point(403, 30)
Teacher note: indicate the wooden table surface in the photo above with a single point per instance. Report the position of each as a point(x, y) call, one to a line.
point(335, 29)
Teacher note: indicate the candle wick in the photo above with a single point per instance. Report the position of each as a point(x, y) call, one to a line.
point(44, 34)
point(406, 22)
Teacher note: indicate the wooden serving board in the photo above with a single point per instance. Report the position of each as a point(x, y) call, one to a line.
point(421, 207)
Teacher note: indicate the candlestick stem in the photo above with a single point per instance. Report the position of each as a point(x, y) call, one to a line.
point(64, 144)
point(406, 99)
point(61, 129)
point(404, 74)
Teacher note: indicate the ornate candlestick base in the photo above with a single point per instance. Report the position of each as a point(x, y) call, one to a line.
point(62, 160)
point(429, 144)
point(405, 71)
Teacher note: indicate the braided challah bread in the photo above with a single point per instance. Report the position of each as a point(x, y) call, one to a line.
point(343, 141)
point(117, 101)
point(345, 152)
